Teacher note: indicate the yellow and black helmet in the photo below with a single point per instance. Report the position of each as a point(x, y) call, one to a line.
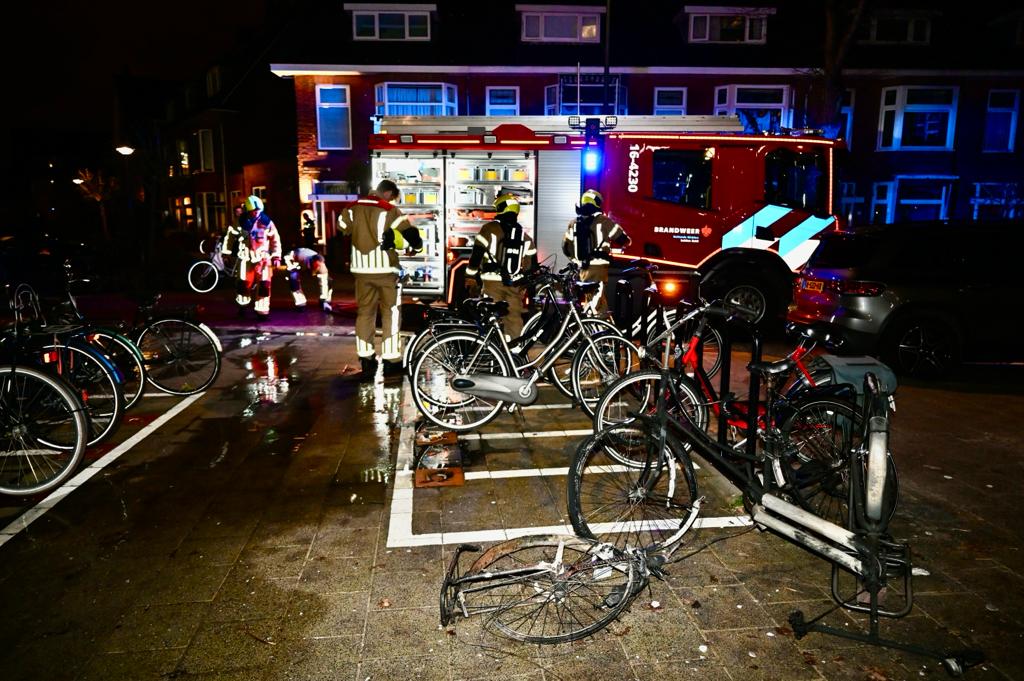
point(507, 203)
point(253, 203)
point(592, 196)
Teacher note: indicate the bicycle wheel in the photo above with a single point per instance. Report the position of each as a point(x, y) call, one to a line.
point(202, 276)
point(596, 367)
point(650, 507)
point(712, 346)
point(637, 393)
point(452, 355)
point(560, 373)
point(181, 357)
point(126, 357)
point(821, 439)
point(43, 430)
point(416, 345)
point(97, 382)
point(551, 589)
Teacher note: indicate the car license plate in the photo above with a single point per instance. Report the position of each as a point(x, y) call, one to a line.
point(812, 285)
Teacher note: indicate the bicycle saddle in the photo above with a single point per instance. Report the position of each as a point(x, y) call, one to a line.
point(488, 308)
point(772, 368)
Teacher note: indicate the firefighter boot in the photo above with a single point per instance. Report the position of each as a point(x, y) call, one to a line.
point(367, 370)
point(392, 369)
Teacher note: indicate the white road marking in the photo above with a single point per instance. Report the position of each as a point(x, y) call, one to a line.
point(564, 405)
point(52, 499)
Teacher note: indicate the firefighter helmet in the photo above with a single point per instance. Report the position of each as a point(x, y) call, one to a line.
point(592, 196)
point(506, 203)
point(254, 203)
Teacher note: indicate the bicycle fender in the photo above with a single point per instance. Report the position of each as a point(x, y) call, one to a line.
point(209, 332)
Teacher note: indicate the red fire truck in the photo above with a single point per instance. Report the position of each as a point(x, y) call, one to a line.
point(695, 193)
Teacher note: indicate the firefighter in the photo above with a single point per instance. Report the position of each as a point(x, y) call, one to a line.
point(588, 242)
point(379, 232)
point(262, 249)
point(306, 258)
point(503, 253)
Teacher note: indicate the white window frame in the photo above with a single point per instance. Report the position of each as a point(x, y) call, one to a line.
point(901, 107)
point(662, 110)
point(729, 107)
point(943, 202)
point(887, 201)
point(331, 105)
point(871, 23)
point(487, 100)
point(542, 11)
point(555, 108)
point(848, 200)
point(1014, 111)
point(982, 198)
point(204, 138)
point(375, 10)
point(444, 103)
point(748, 13)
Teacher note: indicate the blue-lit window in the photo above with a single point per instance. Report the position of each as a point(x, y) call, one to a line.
point(761, 108)
point(503, 101)
point(333, 117)
point(1001, 120)
point(669, 101)
point(417, 99)
point(919, 118)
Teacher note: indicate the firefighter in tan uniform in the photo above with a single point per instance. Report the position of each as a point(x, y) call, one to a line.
point(259, 254)
point(502, 255)
point(588, 242)
point(378, 231)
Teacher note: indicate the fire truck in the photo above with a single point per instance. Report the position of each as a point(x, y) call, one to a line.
point(695, 194)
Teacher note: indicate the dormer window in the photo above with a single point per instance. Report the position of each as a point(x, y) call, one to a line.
point(375, 21)
point(712, 24)
point(896, 28)
point(561, 23)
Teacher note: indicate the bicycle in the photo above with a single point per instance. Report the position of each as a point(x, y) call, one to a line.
point(463, 379)
point(43, 427)
point(204, 275)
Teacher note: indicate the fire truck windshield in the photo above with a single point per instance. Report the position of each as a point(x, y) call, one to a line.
point(796, 179)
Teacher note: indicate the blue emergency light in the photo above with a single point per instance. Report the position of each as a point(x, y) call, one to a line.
point(591, 160)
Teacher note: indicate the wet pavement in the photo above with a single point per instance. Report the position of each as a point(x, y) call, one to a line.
point(263, 532)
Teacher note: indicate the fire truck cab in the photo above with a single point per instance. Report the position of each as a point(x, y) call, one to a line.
point(695, 193)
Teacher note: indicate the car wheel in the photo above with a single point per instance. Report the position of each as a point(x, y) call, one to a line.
point(924, 347)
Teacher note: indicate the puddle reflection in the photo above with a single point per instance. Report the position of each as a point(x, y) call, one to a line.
point(269, 379)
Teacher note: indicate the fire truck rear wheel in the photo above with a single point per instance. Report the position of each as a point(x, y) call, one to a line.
point(752, 293)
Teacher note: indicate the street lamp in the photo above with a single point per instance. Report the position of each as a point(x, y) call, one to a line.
point(125, 150)
point(78, 180)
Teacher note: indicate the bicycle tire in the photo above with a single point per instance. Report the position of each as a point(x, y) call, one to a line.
point(636, 393)
point(608, 500)
point(560, 373)
point(581, 588)
point(181, 357)
point(127, 357)
point(441, 404)
point(596, 367)
point(418, 343)
point(819, 438)
point(37, 407)
point(711, 352)
point(98, 384)
point(202, 276)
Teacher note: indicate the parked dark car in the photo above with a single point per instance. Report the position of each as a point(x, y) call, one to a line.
point(39, 260)
point(920, 296)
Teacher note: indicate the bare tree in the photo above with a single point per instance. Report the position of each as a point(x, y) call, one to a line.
point(825, 95)
point(99, 188)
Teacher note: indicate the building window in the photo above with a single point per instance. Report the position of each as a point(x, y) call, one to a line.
point(881, 203)
point(851, 205)
point(998, 200)
point(211, 211)
point(417, 99)
point(585, 97)
point(1001, 120)
point(503, 101)
point(333, 117)
point(184, 211)
point(682, 177)
point(556, 24)
point(205, 138)
point(846, 118)
point(761, 108)
point(183, 160)
point(669, 101)
point(729, 24)
point(917, 118)
point(912, 198)
point(397, 23)
point(261, 192)
point(895, 29)
point(212, 81)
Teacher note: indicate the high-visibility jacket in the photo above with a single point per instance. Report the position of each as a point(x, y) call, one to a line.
point(378, 230)
point(590, 238)
point(261, 240)
point(501, 252)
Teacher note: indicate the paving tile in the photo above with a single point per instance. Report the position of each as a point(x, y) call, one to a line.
point(185, 585)
point(331, 574)
point(156, 627)
point(665, 633)
point(782, 582)
point(405, 589)
point(331, 541)
point(207, 551)
point(387, 631)
point(752, 654)
point(149, 664)
point(423, 668)
point(337, 614)
point(228, 646)
point(273, 562)
point(284, 533)
point(426, 558)
point(704, 670)
point(601, 656)
point(723, 607)
point(315, 659)
point(225, 523)
point(245, 597)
